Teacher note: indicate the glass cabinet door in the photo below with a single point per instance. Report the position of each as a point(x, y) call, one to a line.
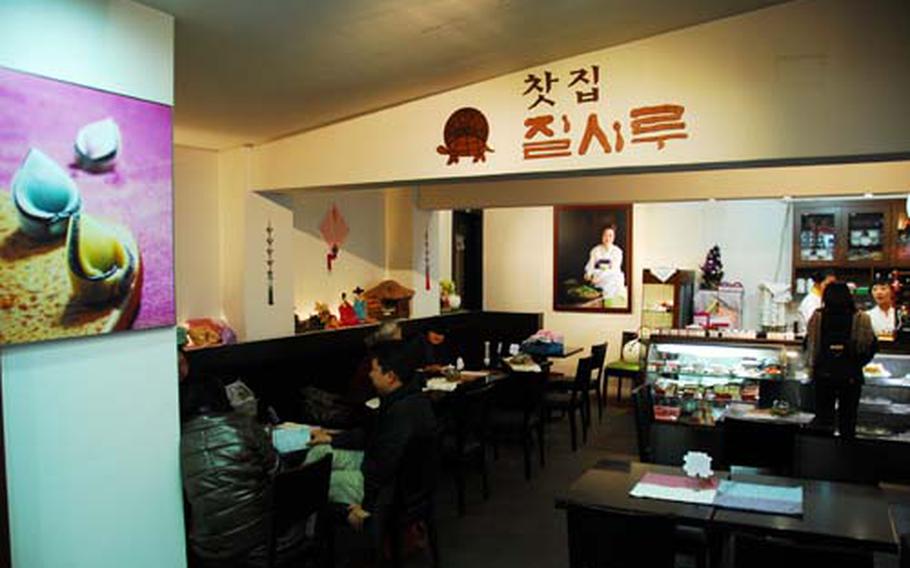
point(866, 236)
point(817, 236)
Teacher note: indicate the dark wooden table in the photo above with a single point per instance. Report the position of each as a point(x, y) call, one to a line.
point(609, 489)
point(567, 352)
point(839, 514)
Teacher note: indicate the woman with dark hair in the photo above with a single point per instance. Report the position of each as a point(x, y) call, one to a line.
point(840, 341)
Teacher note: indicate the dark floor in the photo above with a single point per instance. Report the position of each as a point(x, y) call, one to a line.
point(519, 526)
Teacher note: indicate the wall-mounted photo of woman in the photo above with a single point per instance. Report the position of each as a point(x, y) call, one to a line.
point(592, 245)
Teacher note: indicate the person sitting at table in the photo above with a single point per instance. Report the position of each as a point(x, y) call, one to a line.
point(431, 350)
point(360, 388)
point(227, 467)
point(364, 479)
point(839, 343)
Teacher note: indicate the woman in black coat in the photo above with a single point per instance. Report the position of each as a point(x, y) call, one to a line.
point(839, 343)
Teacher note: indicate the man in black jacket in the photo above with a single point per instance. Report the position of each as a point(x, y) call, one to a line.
point(365, 480)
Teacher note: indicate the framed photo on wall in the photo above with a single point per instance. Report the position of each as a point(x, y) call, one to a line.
point(592, 258)
point(86, 211)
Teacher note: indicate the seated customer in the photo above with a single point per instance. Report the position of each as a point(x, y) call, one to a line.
point(227, 465)
point(361, 389)
point(431, 351)
point(365, 480)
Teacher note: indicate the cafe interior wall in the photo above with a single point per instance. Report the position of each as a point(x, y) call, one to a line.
point(755, 238)
point(91, 425)
point(805, 80)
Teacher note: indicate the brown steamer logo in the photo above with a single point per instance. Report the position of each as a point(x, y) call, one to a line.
point(465, 135)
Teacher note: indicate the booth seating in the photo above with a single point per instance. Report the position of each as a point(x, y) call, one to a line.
point(622, 369)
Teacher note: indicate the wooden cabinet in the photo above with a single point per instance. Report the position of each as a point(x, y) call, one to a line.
point(858, 239)
point(667, 300)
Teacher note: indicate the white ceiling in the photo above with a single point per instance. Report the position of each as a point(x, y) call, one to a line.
point(248, 71)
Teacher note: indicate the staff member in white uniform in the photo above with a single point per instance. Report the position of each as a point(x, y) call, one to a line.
point(884, 320)
point(604, 267)
point(813, 299)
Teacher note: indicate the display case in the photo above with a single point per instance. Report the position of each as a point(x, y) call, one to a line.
point(666, 298)
point(884, 405)
point(697, 380)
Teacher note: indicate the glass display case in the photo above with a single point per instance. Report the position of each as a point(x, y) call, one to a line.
point(697, 380)
point(884, 405)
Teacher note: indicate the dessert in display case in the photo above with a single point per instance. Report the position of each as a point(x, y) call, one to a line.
point(698, 380)
point(884, 405)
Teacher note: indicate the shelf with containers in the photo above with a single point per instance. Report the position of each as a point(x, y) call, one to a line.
point(698, 380)
point(860, 240)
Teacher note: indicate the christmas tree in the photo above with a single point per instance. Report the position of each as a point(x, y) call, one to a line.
point(712, 271)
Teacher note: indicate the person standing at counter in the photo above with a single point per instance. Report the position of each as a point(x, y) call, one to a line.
point(884, 320)
point(840, 341)
point(813, 299)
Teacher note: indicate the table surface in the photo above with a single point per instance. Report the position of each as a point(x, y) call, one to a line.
point(837, 513)
point(608, 488)
point(568, 351)
point(855, 514)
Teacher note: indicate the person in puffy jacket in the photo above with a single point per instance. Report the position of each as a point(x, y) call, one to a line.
point(228, 463)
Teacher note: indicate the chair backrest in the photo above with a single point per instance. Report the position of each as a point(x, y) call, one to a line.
point(822, 456)
point(598, 358)
point(582, 380)
point(758, 444)
point(754, 551)
point(606, 538)
point(628, 336)
point(296, 495)
point(472, 412)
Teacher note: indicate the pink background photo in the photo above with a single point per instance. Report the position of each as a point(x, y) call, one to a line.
point(138, 193)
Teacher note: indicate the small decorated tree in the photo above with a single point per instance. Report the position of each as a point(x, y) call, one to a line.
point(712, 271)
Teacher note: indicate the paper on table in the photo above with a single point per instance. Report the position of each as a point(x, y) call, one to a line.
point(524, 367)
point(757, 497)
point(674, 488)
point(290, 437)
point(440, 384)
point(373, 403)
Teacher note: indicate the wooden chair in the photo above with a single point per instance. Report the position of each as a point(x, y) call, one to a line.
point(577, 400)
point(598, 357)
point(518, 411)
point(606, 538)
point(622, 369)
point(296, 495)
point(465, 444)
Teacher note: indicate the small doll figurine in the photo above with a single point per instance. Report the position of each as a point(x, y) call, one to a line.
point(346, 312)
point(360, 305)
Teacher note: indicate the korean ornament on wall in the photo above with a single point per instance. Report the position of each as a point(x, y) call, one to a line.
point(334, 230)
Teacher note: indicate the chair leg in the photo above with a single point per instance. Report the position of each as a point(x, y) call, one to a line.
point(619, 388)
point(460, 489)
point(585, 419)
point(540, 437)
point(527, 452)
point(484, 476)
point(600, 405)
point(573, 428)
point(433, 541)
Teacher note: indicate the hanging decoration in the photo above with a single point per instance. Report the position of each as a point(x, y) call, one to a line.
point(334, 231)
point(270, 262)
point(426, 257)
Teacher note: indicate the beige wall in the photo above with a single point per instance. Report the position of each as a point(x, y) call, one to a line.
point(261, 319)
point(754, 237)
point(803, 79)
point(197, 233)
point(362, 259)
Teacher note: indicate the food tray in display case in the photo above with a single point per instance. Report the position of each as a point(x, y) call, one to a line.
point(696, 380)
point(884, 405)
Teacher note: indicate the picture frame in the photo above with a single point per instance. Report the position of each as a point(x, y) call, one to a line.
point(592, 258)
